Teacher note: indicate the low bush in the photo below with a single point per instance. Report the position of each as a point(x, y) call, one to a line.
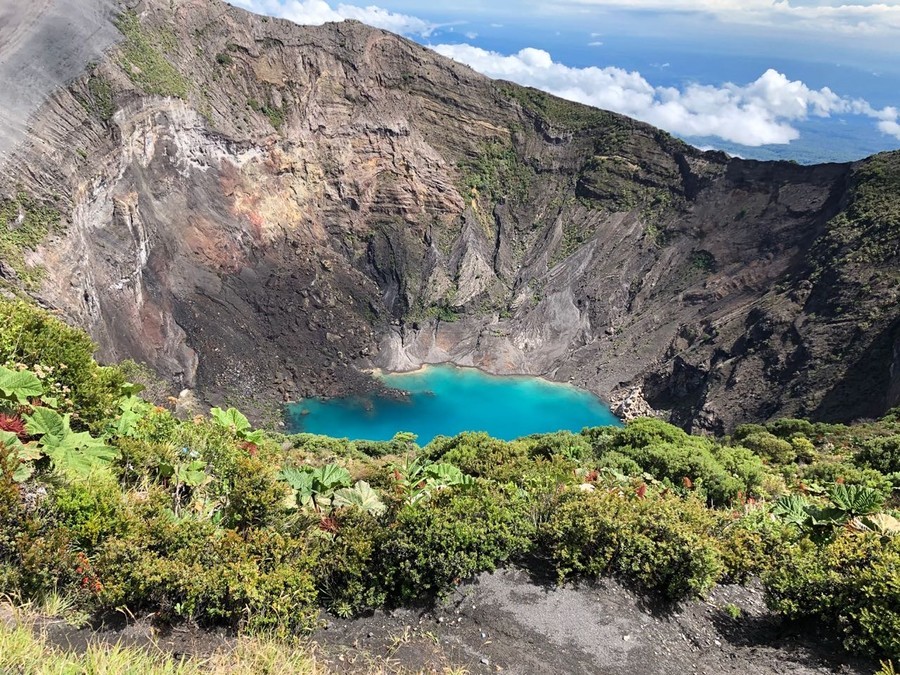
point(479, 455)
point(662, 544)
point(850, 584)
point(770, 447)
point(881, 454)
point(429, 548)
point(63, 358)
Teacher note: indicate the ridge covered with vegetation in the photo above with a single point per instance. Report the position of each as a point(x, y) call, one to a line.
point(113, 502)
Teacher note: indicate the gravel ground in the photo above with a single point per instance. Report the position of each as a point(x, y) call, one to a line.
point(506, 622)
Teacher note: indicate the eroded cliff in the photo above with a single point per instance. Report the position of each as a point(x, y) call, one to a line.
point(260, 210)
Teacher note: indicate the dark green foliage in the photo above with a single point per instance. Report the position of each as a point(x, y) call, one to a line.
point(345, 575)
point(669, 454)
point(562, 443)
point(262, 580)
point(275, 115)
point(788, 428)
point(881, 454)
point(99, 100)
point(824, 472)
point(744, 430)
point(428, 549)
point(496, 173)
point(644, 431)
point(661, 543)
point(703, 261)
point(623, 464)
point(748, 544)
point(479, 455)
point(849, 584)
point(256, 497)
point(92, 509)
point(770, 447)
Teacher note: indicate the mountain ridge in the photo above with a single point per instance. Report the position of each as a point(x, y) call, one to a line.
point(261, 211)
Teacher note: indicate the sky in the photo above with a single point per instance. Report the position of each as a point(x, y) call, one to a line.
point(807, 80)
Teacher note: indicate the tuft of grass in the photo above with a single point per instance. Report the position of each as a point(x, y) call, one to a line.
point(22, 650)
point(732, 611)
point(99, 98)
point(143, 59)
point(275, 115)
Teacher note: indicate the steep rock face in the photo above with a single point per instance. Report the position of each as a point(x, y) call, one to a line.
point(260, 210)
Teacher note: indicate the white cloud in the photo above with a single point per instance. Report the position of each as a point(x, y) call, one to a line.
point(595, 43)
point(847, 17)
point(317, 12)
point(890, 127)
point(759, 113)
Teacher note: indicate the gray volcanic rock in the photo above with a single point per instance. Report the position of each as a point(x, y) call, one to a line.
point(261, 210)
point(44, 45)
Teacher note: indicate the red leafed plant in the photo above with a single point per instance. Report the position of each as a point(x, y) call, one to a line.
point(687, 483)
point(329, 524)
point(13, 423)
point(251, 448)
point(642, 491)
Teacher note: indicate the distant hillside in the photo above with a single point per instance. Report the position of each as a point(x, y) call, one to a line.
point(259, 210)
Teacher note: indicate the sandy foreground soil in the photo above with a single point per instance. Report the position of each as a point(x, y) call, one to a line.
point(506, 622)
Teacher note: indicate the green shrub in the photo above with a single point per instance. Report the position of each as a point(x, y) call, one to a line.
point(191, 569)
point(256, 497)
point(788, 428)
point(479, 455)
point(743, 465)
point(849, 584)
point(881, 454)
point(831, 471)
point(770, 447)
point(678, 464)
point(345, 575)
point(748, 543)
point(432, 546)
point(601, 439)
point(618, 462)
point(562, 443)
point(65, 355)
point(803, 449)
point(661, 543)
point(92, 509)
point(645, 431)
point(744, 430)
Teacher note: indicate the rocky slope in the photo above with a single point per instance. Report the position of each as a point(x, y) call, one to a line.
point(260, 210)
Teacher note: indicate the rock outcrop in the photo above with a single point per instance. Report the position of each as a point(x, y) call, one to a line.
point(260, 211)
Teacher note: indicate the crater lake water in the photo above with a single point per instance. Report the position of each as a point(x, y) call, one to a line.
point(446, 400)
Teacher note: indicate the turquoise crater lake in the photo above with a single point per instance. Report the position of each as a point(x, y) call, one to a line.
point(446, 400)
